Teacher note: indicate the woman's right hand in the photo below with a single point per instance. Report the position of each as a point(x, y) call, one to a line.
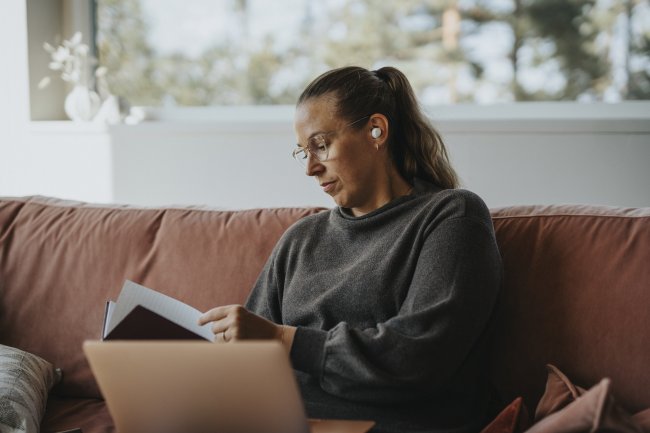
point(234, 322)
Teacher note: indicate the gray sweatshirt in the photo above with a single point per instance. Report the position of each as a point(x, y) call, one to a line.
point(392, 309)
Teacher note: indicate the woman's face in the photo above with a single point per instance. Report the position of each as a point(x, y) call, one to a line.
point(350, 172)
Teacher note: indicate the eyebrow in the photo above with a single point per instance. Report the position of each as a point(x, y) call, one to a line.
point(313, 134)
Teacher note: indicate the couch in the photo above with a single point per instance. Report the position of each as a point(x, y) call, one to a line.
point(576, 291)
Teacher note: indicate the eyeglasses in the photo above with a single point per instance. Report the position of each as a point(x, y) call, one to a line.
point(318, 146)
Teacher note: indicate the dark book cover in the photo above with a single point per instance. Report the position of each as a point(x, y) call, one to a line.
point(143, 324)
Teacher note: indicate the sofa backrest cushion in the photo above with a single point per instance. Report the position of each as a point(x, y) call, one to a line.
point(60, 261)
point(576, 290)
point(576, 295)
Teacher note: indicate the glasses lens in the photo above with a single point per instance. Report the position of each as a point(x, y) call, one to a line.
point(318, 147)
point(300, 155)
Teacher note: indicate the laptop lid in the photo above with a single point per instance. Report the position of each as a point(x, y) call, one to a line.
point(197, 387)
point(202, 387)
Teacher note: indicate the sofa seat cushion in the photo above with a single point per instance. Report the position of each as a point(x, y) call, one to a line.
point(89, 415)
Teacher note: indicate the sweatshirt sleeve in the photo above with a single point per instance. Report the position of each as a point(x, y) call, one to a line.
point(419, 351)
point(264, 298)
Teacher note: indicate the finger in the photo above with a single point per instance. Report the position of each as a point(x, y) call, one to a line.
point(226, 328)
point(227, 336)
point(215, 314)
point(219, 327)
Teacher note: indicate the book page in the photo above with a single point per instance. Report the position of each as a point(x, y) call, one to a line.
point(133, 294)
point(108, 313)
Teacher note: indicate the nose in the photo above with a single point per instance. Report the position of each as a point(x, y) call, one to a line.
point(313, 166)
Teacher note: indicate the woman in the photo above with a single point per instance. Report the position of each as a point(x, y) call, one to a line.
point(382, 302)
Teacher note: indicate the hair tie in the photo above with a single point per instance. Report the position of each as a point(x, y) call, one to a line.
point(381, 75)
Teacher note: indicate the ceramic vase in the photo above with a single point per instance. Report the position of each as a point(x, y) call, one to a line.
point(81, 104)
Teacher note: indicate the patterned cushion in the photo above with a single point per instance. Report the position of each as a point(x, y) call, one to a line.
point(25, 381)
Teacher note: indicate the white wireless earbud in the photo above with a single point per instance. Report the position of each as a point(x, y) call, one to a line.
point(375, 132)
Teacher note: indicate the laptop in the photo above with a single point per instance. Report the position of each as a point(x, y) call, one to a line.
point(202, 387)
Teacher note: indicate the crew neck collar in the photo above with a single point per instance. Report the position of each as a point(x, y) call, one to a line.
point(419, 187)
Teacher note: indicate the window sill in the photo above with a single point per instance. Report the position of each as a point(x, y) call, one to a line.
point(535, 117)
point(65, 127)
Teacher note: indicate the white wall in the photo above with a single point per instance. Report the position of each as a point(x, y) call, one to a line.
point(239, 158)
point(592, 158)
point(233, 166)
point(48, 158)
point(14, 100)
point(544, 168)
point(536, 153)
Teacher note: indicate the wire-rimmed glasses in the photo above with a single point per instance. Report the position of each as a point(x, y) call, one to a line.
point(318, 146)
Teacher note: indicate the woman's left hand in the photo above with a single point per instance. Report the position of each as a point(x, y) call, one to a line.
point(234, 322)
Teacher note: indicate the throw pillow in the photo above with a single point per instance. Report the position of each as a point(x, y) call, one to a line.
point(25, 381)
point(512, 419)
point(594, 411)
point(560, 392)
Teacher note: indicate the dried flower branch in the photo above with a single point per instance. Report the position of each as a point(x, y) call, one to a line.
point(72, 59)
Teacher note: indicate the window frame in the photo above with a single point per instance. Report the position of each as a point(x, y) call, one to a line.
point(560, 117)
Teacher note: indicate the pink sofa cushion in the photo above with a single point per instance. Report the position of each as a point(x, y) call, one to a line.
point(512, 419)
point(576, 295)
point(575, 291)
point(61, 261)
point(594, 411)
point(561, 392)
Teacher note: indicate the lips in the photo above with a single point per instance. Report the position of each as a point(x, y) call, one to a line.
point(327, 186)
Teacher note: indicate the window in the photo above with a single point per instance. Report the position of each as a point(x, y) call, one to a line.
point(255, 52)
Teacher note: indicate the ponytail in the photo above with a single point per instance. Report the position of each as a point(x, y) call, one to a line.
point(415, 147)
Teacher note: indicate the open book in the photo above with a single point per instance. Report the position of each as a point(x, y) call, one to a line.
point(144, 314)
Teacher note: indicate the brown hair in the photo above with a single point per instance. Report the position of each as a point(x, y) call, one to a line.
point(415, 147)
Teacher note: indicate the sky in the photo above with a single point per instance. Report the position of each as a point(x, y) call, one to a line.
point(202, 22)
point(198, 24)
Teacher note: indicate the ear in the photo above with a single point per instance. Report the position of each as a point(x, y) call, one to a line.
point(379, 130)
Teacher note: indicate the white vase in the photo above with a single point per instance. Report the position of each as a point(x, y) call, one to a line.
point(81, 104)
point(109, 111)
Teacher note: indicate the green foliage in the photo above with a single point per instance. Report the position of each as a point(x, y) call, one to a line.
point(427, 39)
point(123, 49)
point(639, 82)
point(567, 24)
